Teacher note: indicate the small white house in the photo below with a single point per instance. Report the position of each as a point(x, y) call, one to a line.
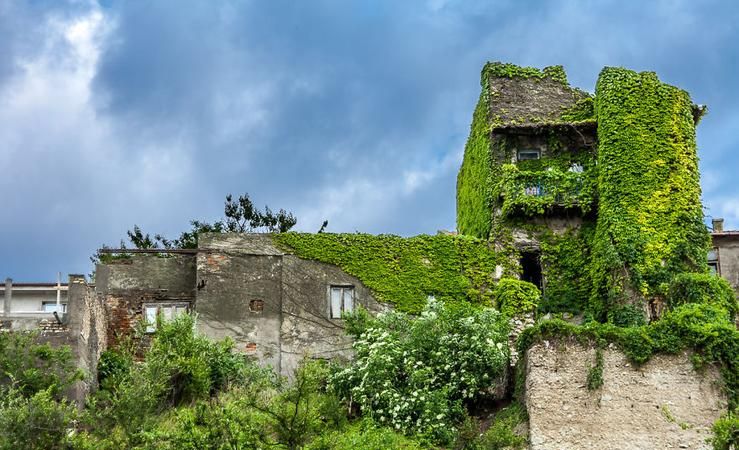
point(33, 298)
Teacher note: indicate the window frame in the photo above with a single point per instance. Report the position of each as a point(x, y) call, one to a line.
point(714, 263)
point(151, 327)
point(529, 151)
point(343, 290)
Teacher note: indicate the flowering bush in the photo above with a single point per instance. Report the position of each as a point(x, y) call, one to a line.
point(417, 374)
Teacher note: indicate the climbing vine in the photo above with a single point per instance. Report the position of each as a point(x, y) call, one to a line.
point(650, 222)
point(406, 271)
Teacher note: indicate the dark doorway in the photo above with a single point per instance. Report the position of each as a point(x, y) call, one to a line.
point(531, 268)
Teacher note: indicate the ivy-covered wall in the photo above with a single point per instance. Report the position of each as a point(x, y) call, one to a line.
point(510, 95)
point(406, 271)
point(650, 220)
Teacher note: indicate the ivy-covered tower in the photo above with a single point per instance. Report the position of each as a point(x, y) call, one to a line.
point(595, 199)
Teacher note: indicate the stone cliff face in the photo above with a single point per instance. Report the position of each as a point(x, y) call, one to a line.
point(664, 403)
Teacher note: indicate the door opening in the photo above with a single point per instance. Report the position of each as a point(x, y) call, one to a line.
point(531, 268)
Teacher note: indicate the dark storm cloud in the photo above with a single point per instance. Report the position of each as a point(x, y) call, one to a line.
point(149, 112)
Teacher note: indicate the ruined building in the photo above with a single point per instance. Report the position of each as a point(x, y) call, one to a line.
point(595, 199)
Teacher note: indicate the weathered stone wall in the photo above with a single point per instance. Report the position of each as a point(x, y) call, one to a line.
point(665, 403)
point(307, 327)
point(528, 100)
point(233, 273)
point(728, 251)
point(125, 285)
point(275, 306)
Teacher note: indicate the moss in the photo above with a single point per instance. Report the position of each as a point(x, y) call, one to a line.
point(508, 70)
point(405, 271)
point(650, 220)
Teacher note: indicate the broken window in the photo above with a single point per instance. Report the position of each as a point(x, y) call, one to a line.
point(713, 261)
point(528, 154)
point(342, 300)
point(168, 311)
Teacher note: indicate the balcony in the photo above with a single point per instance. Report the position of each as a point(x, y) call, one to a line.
point(545, 192)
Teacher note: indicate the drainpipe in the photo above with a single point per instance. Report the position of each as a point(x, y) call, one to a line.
point(8, 296)
point(58, 292)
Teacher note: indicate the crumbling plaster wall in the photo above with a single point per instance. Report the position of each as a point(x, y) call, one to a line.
point(665, 403)
point(728, 246)
point(307, 328)
point(125, 285)
point(293, 320)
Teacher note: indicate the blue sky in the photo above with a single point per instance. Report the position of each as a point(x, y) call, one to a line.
point(121, 113)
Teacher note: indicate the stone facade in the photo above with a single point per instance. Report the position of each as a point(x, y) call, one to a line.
point(664, 403)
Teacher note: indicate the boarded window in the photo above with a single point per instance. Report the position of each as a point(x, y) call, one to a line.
point(167, 311)
point(341, 300)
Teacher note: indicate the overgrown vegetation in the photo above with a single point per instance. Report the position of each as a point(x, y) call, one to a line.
point(650, 222)
point(417, 375)
point(406, 271)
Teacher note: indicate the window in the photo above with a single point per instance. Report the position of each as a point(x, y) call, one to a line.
point(256, 306)
point(50, 307)
point(525, 155)
point(713, 261)
point(168, 311)
point(342, 300)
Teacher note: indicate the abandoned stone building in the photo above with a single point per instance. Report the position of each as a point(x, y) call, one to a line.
point(552, 190)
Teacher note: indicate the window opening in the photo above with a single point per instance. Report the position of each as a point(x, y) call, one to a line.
point(531, 268)
point(713, 264)
point(169, 311)
point(342, 300)
point(50, 307)
point(529, 154)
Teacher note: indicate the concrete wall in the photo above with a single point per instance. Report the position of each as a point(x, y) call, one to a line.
point(230, 280)
point(294, 321)
point(126, 285)
point(728, 250)
point(663, 404)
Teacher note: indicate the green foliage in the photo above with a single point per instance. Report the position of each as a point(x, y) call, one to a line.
point(726, 432)
point(702, 288)
point(476, 173)
point(39, 421)
point(650, 222)
point(627, 316)
point(514, 297)
point(565, 259)
point(30, 367)
point(508, 70)
point(405, 271)
point(582, 110)
point(538, 192)
point(502, 432)
point(704, 328)
point(415, 375)
point(595, 373)
point(364, 435)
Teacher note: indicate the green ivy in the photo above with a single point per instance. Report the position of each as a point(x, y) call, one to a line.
point(514, 297)
point(581, 111)
point(650, 222)
point(508, 70)
point(406, 271)
point(702, 288)
point(701, 327)
point(565, 259)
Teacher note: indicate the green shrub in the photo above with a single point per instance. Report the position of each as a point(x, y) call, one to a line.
point(514, 297)
point(726, 432)
point(31, 367)
point(36, 422)
point(627, 316)
point(702, 288)
point(415, 375)
point(363, 435)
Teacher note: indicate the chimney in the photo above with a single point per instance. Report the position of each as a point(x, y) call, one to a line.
point(718, 225)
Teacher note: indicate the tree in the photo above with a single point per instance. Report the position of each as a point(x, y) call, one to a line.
point(240, 216)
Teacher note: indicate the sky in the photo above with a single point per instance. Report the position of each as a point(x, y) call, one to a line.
point(117, 113)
